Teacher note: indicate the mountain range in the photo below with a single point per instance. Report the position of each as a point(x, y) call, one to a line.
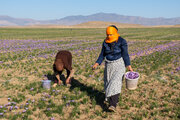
point(78, 19)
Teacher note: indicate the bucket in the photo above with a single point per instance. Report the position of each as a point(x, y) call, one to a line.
point(131, 80)
point(46, 84)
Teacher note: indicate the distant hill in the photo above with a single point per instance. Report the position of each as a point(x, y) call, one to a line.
point(101, 24)
point(8, 21)
point(110, 17)
point(74, 20)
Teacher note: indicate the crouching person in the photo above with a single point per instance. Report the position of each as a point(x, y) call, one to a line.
point(63, 61)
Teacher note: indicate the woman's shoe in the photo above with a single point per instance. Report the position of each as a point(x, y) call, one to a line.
point(112, 109)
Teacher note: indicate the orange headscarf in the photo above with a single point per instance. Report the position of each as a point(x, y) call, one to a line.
point(114, 34)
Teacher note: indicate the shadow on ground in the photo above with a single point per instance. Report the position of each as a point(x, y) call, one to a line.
point(54, 79)
point(91, 92)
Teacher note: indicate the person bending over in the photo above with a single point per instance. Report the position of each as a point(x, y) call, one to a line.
point(63, 60)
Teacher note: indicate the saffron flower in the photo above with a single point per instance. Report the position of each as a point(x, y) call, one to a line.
point(132, 75)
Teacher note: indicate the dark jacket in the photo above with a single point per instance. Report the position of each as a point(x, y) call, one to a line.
point(64, 58)
point(114, 51)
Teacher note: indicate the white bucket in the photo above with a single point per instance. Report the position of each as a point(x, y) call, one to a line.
point(46, 84)
point(131, 84)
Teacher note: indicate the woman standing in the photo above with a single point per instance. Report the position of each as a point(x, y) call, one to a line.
point(115, 52)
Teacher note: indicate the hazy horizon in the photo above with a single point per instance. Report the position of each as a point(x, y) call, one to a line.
point(57, 9)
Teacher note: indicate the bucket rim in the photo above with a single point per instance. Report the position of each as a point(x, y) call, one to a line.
point(45, 80)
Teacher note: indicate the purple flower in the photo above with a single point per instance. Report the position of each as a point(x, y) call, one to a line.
point(67, 104)
point(31, 89)
point(43, 99)
point(47, 95)
point(1, 107)
point(132, 75)
point(1, 114)
point(9, 99)
point(13, 103)
point(72, 101)
point(11, 108)
point(9, 103)
point(178, 68)
point(33, 101)
point(24, 111)
point(52, 118)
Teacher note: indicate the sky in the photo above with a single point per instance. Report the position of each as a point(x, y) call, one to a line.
point(57, 9)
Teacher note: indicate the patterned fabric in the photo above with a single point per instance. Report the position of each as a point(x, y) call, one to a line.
point(113, 74)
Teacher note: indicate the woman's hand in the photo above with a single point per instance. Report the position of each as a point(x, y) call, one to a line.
point(95, 66)
point(129, 68)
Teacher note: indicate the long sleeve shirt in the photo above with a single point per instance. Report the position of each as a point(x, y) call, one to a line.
point(114, 51)
point(63, 58)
